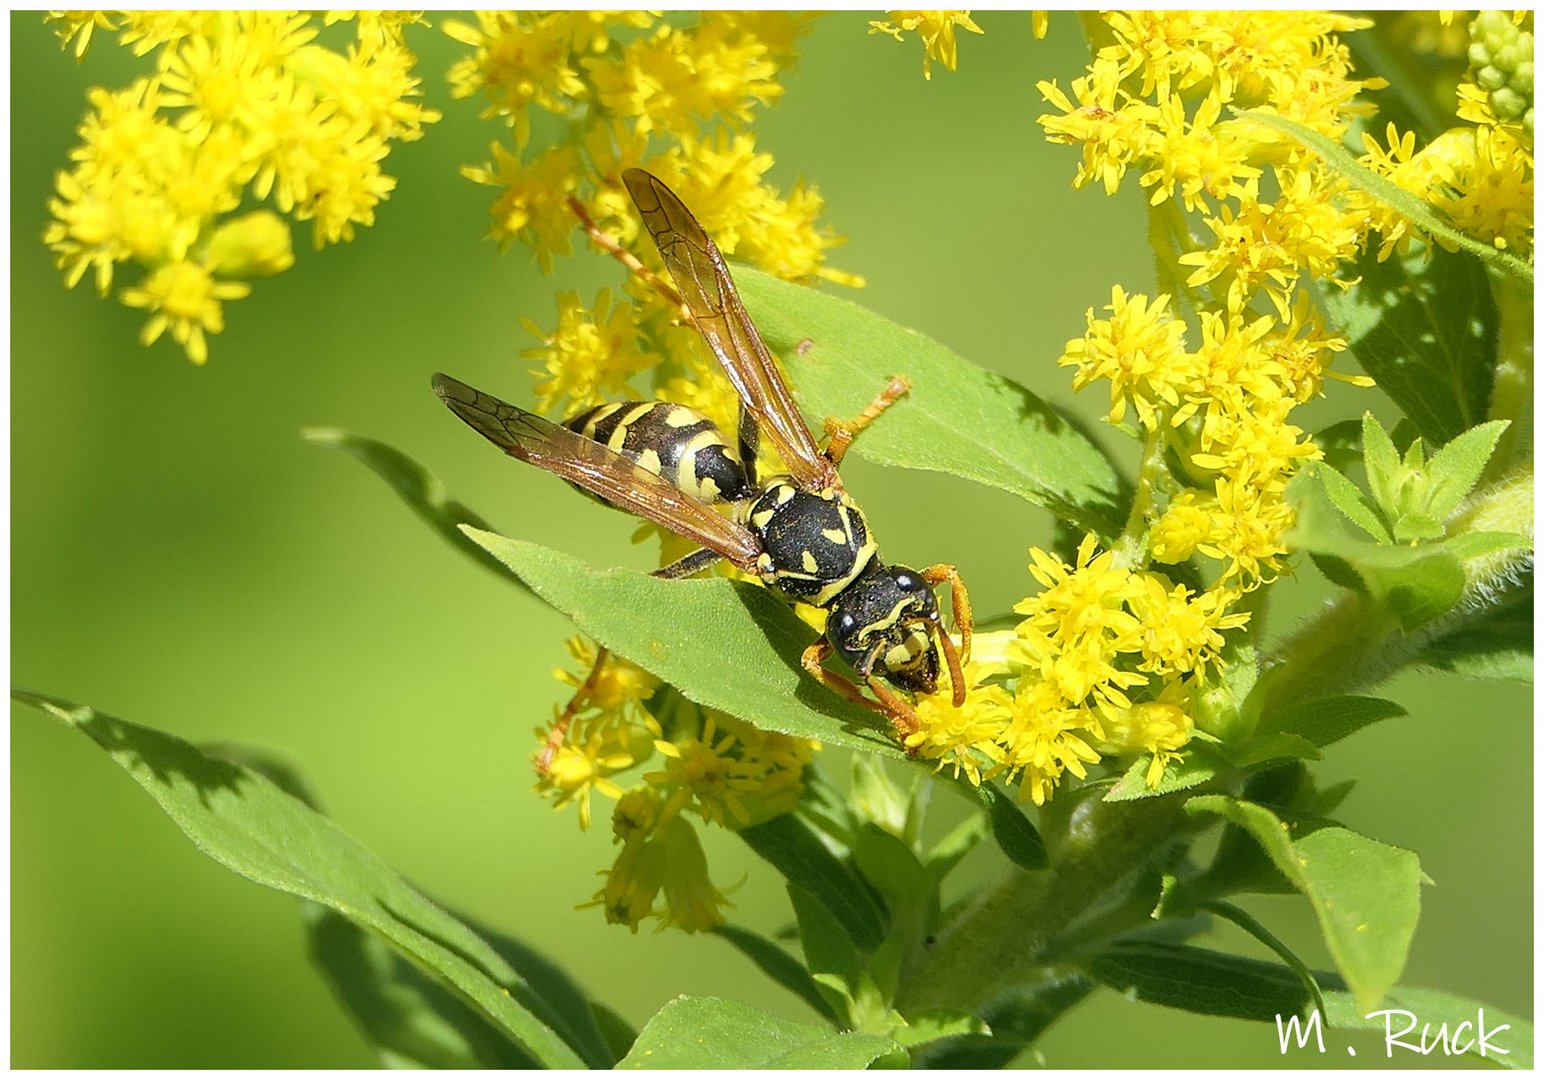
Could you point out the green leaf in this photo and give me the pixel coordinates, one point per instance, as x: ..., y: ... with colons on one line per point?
x: 725, y: 644
x: 1328, y: 720
x: 1012, y: 831
x: 1423, y: 326
x: 1200, y: 980
x: 1383, y: 464
x: 1456, y: 468
x: 711, y: 1033
x: 1366, y: 895
x: 1434, y: 1009
x: 1272, y: 746
x: 956, y: 844
x: 1200, y: 764
x: 1415, y: 584
x: 789, y: 845
x: 249, y: 825
x: 833, y: 961
x: 1350, y: 501
x: 958, y: 418
x: 410, y: 1020
x: 1339, y: 159
x: 419, y: 488
x: 930, y: 1027
x: 777, y: 964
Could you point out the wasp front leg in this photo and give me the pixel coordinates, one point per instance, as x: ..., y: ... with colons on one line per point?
x: 841, y: 433
x: 939, y: 573
x: 903, y: 719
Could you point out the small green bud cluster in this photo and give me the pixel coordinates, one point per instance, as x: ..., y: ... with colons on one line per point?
x: 1501, y: 56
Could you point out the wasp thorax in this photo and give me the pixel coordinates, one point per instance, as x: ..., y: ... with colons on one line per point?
x: 884, y: 623
x: 813, y: 544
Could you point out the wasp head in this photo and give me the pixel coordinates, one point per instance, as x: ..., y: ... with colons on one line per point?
x: 883, y: 623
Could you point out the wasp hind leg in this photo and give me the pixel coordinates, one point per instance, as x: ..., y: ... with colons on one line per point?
x: 903, y: 719
x: 841, y: 433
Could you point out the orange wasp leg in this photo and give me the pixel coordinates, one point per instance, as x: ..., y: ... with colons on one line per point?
x: 903, y: 720
x: 841, y: 433
x: 939, y: 573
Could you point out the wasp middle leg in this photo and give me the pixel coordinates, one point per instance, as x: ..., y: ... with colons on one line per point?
x: 841, y: 433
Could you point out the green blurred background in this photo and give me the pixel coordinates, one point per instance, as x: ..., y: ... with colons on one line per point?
x: 182, y: 559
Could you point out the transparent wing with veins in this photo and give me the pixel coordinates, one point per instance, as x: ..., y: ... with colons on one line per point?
x: 708, y: 291
x: 599, y: 470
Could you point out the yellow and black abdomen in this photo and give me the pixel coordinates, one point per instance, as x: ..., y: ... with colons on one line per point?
x: 672, y: 441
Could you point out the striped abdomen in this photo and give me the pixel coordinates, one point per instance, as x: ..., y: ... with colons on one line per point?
x: 673, y: 441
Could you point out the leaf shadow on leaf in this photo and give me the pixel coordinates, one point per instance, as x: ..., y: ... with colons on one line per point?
x: 206, y: 775
x: 788, y: 636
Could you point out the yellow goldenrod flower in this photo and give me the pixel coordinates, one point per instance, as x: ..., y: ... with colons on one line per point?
x: 935, y: 28
x: 963, y: 738
x: 182, y: 297
x: 692, y: 902
x: 1140, y: 350
x: 591, y: 354
x: 1161, y: 727
x: 77, y: 27
x: 633, y: 883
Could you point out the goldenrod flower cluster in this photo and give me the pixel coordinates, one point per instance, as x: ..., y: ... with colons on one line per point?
x: 1113, y: 652
x: 244, y: 108
x: 708, y: 765
x: 586, y: 95
x: 1479, y: 175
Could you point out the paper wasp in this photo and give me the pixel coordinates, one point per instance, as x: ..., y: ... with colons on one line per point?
x: 800, y: 533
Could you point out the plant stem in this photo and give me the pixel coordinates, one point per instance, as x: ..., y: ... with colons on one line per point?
x: 1007, y: 932
x: 1511, y: 396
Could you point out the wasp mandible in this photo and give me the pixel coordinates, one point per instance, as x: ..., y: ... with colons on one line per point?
x: 801, y: 533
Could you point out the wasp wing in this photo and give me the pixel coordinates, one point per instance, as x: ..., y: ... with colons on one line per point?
x: 599, y: 470
x: 700, y: 274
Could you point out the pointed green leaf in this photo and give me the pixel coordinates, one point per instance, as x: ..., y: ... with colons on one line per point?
x: 423, y: 492
x: 711, y: 1033
x: 1423, y: 326
x: 1200, y: 980
x: 409, y: 1019
x: 1366, y: 895
x: 1456, y: 468
x: 958, y: 418
x: 789, y: 845
x: 1328, y: 720
x: 1015, y: 836
x: 1199, y: 764
x: 243, y: 821
x: 728, y: 645
x: 956, y: 844
x: 1383, y: 464
x: 1273, y: 746
x: 1350, y: 501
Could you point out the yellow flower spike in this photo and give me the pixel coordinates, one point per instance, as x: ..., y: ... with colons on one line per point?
x: 935, y: 28
x: 1162, y: 728
x: 1180, y: 631
x: 1044, y: 740
x: 78, y: 27
x: 962, y: 738
x: 1183, y: 526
